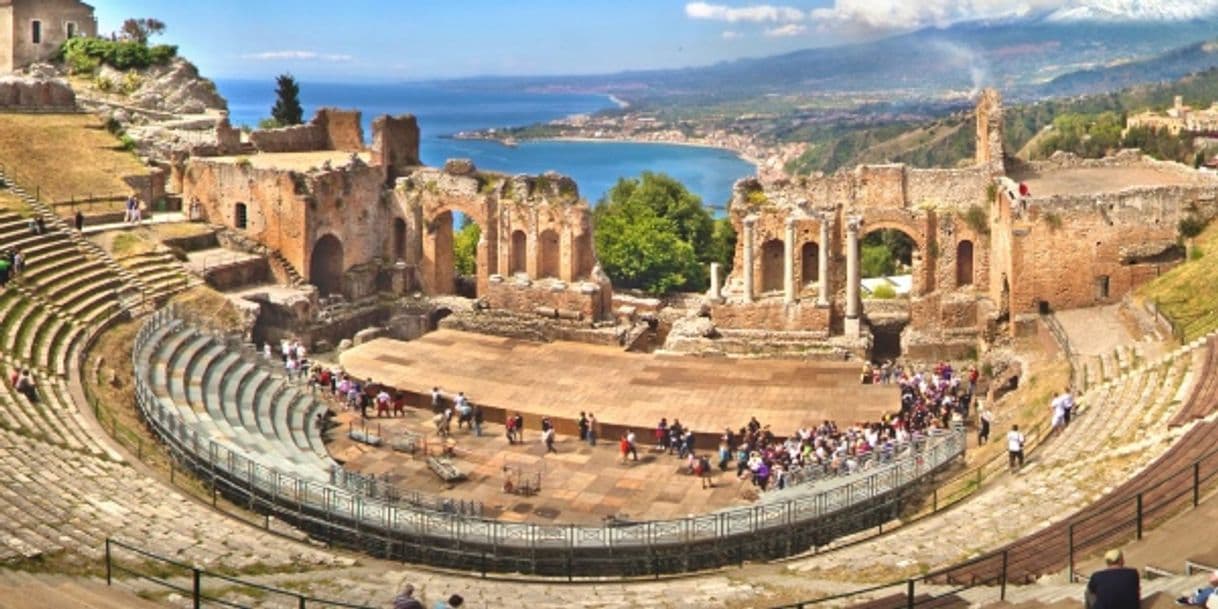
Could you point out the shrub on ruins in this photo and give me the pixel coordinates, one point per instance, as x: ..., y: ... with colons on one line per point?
x: 140, y: 30
x: 676, y: 216
x: 84, y: 55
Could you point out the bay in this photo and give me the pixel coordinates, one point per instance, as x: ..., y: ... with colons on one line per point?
x: 443, y: 111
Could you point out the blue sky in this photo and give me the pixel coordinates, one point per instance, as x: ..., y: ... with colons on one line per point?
x: 379, y: 40
x: 422, y: 39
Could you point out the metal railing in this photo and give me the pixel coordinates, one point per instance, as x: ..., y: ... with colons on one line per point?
x: 813, y: 517
x: 1114, y: 522
x: 192, y: 582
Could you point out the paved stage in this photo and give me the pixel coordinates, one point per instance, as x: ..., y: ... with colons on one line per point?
x: 623, y: 389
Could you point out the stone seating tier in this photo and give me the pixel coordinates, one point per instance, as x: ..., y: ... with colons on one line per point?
x: 237, y: 400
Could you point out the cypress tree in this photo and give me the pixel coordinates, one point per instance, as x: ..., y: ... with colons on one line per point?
x: 287, y: 110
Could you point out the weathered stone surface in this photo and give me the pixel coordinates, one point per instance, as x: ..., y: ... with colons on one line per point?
x: 694, y: 327
x: 26, y: 93
x: 368, y: 334
x: 344, y: 344
x: 459, y: 167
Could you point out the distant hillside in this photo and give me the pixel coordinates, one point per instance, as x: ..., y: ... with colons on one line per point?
x: 1014, y: 56
x: 949, y: 141
x: 1168, y: 66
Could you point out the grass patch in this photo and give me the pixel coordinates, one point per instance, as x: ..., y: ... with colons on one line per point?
x: 1185, y: 294
x: 178, y: 230
x: 210, y: 306
x: 128, y: 244
x: 65, y: 156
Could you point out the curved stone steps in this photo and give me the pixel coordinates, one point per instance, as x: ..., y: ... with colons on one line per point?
x: 1098, y: 421
x: 34, y: 416
x: 13, y: 318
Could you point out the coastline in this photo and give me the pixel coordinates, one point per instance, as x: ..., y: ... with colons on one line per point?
x: 625, y: 140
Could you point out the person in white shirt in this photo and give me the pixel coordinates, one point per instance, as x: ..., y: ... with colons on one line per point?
x: 1058, y: 405
x: 1015, y: 442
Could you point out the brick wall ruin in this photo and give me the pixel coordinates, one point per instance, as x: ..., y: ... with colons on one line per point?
x: 330, y: 129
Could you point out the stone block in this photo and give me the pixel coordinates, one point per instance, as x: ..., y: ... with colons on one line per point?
x: 368, y: 334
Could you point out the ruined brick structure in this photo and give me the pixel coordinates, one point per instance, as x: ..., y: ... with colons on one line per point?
x: 983, y: 254
x: 357, y: 221
x: 33, y: 30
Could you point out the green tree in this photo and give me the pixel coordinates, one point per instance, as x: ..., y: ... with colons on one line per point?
x: 655, y: 235
x: 140, y: 30
x: 287, y: 110
x: 465, y: 249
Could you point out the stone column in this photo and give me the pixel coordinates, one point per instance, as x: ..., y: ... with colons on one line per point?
x: 852, y: 268
x: 822, y: 263
x: 788, y: 263
x: 716, y: 290
x: 748, y: 258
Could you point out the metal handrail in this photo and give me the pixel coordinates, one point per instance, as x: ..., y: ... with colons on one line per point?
x: 359, y: 519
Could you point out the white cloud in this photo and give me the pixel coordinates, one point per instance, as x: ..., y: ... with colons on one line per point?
x: 785, y: 31
x: 299, y: 56
x: 904, y: 14
x: 757, y: 13
x: 730, y: 35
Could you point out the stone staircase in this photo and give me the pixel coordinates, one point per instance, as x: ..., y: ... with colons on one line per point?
x: 19, y: 590
x: 1093, y: 370
x: 282, y: 268
x: 162, y: 274
x: 235, y: 397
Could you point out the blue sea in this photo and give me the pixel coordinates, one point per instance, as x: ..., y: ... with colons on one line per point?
x: 443, y: 111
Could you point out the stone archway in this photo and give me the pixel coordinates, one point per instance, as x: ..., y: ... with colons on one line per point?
x: 548, y: 254
x: 809, y: 267
x: 518, y: 253
x: 326, y: 265
x: 399, y: 239
x: 772, y: 265
x: 964, y: 263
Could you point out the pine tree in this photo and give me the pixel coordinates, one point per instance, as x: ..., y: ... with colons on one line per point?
x: 287, y: 110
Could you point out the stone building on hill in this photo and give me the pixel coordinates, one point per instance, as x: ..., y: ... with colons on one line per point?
x: 33, y: 30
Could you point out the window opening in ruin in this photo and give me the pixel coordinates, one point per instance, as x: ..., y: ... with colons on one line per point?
x: 518, y: 254
x: 241, y: 216
x: 465, y: 240
x: 1043, y: 307
x: 964, y: 263
x: 810, y: 263
x: 886, y: 342
x: 326, y: 265
x: 399, y: 239
x: 70, y: 29
x: 36, y: 31
x: 1101, y: 287
x: 886, y: 258
x: 548, y: 253
x: 772, y: 266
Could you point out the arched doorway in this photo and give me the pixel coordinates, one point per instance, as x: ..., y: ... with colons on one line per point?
x: 466, y: 240
x: 399, y: 239
x: 326, y: 265
x: 809, y: 267
x: 518, y: 254
x: 964, y: 264
x: 772, y: 265
x: 887, y: 261
x: 548, y: 252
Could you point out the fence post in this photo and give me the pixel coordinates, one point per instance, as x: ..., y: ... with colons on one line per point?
x: 909, y: 594
x: 301, y: 604
x: 1070, y: 564
x: 1139, y: 504
x: 197, y: 600
x: 107, y: 561
x: 1196, y: 483
x: 1002, y: 590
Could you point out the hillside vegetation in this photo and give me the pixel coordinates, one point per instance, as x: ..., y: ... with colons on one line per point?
x: 1186, y: 294
x: 949, y: 141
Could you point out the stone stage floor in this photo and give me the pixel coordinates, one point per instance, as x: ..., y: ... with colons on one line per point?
x: 624, y: 390
x: 579, y: 484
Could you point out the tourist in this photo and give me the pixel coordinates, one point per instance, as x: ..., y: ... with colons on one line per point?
x: 32, y: 225
x: 406, y: 599
x: 583, y: 426
x: 479, y: 418
x: 1058, y: 407
x: 1114, y: 587
x: 509, y: 429
x: 4, y: 271
x: 592, y: 430
x: 437, y: 400
x: 453, y: 602
x: 465, y: 413
x: 1068, y: 403
x: 41, y: 224
x: 1202, y: 595
x: 725, y: 454
x: 382, y: 403
x: 129, y: 216
x: 443, y: 422
x: 18, y: 263
x: 634, y: 451
x: 519, y: 427
x: 675, y: 434
x: 291, y: 367
x: 80, y: 220
x: 742, y: 460
x: 662, y: 435
x: 986, y: 419
x: 623, y: 447
x: 687, y: 444
x: 1015, y: 442
x: 399, y: 404
x: 547, y: 437
x: 702, y: 470
x: 139, y: 211
x: 266, y: 350
x: 25, y: 386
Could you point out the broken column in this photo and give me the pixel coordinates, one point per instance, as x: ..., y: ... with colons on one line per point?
x: 822, y: 264
x: 748, y: 258
x: 852, y: 267
x: 716, y: 290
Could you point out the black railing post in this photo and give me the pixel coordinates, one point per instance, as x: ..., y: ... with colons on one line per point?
x: 1196, y: 483
x: 1070, y: 558
x: 1139, y: 504
x: 301, y: 602
x: 909, y: 594
x: 1002, y: 590
x: 107, y: 561
x: 197, y: 595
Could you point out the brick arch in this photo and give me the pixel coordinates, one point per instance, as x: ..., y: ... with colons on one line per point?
x: 326, y: 266
x: 922, y: 262
x: 437, y: 236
